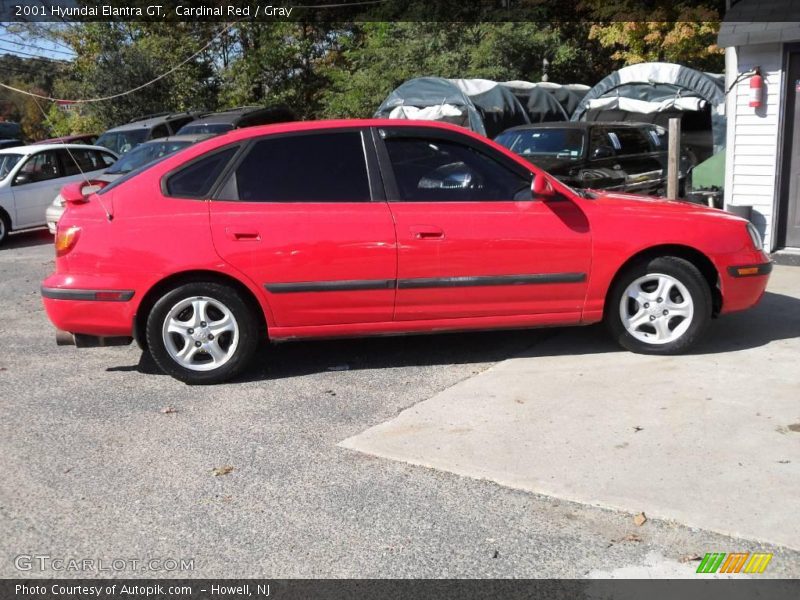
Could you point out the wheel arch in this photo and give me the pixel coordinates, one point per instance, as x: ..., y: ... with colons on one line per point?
x: 174, y: 280
x: 688, y: 253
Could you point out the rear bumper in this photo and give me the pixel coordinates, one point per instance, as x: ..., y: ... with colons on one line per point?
x: 89, y: 306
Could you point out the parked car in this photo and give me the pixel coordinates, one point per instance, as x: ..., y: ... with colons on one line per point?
x: 626, y: 157
x: 137, y: 158
x: 126, y: 137
x: 234, y: 118
x: 352, y: 228
x: 81, y: 138
x: 31, y: 175
x: 10, y: 144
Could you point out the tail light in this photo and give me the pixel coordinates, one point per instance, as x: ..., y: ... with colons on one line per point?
x: 66, y: 239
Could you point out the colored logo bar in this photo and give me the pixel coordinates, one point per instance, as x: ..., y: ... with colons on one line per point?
x: 735, y: 562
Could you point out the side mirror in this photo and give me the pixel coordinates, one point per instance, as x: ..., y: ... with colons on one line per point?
x: 22, y: 179
x: 602, y: 152
x: 541, y: 187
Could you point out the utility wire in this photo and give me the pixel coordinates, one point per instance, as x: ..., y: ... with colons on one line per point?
x: 136, y: 89
x: 53, y: 50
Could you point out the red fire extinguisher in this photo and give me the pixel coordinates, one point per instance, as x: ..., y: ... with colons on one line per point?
x: 756, y: 89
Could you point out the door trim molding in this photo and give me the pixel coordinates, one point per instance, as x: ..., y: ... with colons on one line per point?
x: 423, y: 282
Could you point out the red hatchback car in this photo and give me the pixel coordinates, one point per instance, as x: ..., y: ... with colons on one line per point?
x: 352, y: 228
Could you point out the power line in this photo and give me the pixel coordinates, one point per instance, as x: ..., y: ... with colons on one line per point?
x: 136, y: 89
x: 29, y: 56
x: 54, y: 50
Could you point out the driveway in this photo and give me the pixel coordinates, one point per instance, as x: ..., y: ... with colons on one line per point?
x: 102, y: 458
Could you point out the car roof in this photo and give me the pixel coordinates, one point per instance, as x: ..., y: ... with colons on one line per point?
x: 66, y: 138
x: 33, y: 148
x: 149, y: 121
x: 228, y: 116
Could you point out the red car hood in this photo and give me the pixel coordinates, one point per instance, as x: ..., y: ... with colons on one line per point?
x: 655, y: 204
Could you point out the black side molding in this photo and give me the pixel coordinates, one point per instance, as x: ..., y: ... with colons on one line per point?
x: 90, y: 295
x: 330, y: 286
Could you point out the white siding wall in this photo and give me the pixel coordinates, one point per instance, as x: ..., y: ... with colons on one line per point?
x: 753, y: 137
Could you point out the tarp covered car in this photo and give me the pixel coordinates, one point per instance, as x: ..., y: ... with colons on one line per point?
x: 483, y: 106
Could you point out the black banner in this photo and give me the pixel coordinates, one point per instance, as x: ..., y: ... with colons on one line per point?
x: 291, y: 589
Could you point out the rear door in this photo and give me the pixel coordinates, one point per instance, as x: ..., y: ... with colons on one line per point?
x: 43, y: 178
x: 603, y: 169
x: 303, y: 216
x: 471, y: 240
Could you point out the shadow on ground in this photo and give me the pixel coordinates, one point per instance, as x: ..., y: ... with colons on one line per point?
x: 777, y: 317
x: 25, y: 239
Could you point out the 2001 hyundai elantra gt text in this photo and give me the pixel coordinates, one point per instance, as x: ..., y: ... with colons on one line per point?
x: 351, y: 228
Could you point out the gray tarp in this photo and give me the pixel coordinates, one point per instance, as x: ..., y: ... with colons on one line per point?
x: 483, y: 106
x: 649, y: 89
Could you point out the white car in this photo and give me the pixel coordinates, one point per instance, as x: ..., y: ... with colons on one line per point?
x: 30, y: 176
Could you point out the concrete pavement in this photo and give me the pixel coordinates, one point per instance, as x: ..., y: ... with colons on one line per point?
x: 710, y: 440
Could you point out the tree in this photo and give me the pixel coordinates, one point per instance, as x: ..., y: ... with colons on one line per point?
x: 676, y: 32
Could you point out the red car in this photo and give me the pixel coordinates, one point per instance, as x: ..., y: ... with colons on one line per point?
x: 352, y: 228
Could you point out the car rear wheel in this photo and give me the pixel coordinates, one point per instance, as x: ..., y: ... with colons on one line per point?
x: 659, y: 306
x: 202, y: 333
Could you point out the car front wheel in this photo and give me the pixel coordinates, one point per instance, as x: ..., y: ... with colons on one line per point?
x: 660, y: 306
x: 202, y: 333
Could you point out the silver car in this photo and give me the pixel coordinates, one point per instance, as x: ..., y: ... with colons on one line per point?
x: 31, y: 175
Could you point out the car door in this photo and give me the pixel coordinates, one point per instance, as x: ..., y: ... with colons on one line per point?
x: 34, y: 186
x: 303, y: 216
x: 603, y: 169
x: 643, y: 170
x: 471, y: 240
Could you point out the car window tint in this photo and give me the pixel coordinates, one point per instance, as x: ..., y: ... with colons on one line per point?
x: 319, y: 167
x: 105, y: 158
x: 75, y: 161
x: 41, y: 167
x: 631, y: 140
x: 159, y: 131
x: 442, y: 171
x: 600, y: 138
x: 195, y: 179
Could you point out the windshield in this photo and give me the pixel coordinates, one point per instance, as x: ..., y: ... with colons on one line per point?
x: 145, y: 154
x: 7, y: 162
x: 205, y: 128
x: 122, y: 141
x: 558, y: 143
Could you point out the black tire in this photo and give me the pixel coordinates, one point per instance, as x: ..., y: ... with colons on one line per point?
x: 686, y: 274
x: 249, y: 332
x: 5, y: 226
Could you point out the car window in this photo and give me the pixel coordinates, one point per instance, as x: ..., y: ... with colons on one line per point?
x: 631, y: 140
x: 559, y: 143
x: 122, y: 141
x: 41, y: 167
x: 212, y: 128
x: 195, y: 179
x: 159, y: 131
x: 318, y: 167
x: 438, y: 170
x: 178, y: 123
x: 105, y: 158
x: 74, y: 161
x: 7, y: 162
x: 144, y: 154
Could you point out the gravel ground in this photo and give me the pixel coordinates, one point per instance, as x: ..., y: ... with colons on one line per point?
x: 94, y: 468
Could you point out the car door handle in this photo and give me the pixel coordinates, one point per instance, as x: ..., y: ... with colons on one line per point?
x: 242, y: 235
x: 427, y: 232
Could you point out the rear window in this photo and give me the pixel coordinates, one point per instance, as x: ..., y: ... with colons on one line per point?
x: 196, y: 179
x: 212, y: 128
x: 318, y: 167
x: 122, y: 141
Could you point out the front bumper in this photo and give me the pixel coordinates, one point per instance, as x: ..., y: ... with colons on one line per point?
x: 744, y: 283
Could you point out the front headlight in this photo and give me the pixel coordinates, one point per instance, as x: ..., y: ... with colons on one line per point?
x: 755, y: 237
